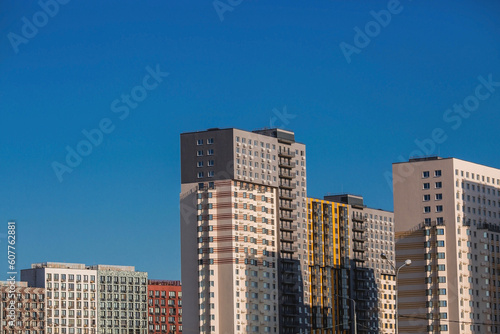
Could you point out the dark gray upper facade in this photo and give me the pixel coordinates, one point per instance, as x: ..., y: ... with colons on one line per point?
x: 192, y: 143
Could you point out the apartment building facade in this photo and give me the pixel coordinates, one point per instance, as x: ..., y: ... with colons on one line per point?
x: 369, y: 233
x: 165, y: 307
x: 122, y: 307
x: 243, y: 232
x: 329, y: 263
x: 448, y: 223
x: 82, y: 299
x: 28, y: 313
x: 70, y: 296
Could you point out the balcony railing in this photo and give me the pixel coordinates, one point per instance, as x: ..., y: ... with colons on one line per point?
x: 286, y: 164
x: 288, y: 185
x: 289, y: 238
x: 287, y: 196
x: 286, y: 153
x: 288, y: 248
x: 288, y: 206
x: 288, y: 227
x: 288, y: 217
x: 287, y: 174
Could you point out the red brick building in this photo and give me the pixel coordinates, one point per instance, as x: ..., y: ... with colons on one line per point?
x: 164, y: 307
x: 27, y: 315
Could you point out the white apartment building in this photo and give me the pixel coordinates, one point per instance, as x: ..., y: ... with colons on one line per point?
x: 70, y: 296
x: 447, y: 214
x: 380, y: 240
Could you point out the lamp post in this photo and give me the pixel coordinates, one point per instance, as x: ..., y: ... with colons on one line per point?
x: 407, y: 263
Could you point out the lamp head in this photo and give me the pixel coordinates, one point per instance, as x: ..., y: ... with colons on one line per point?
x: 384, y: 256
x: 408, y: 262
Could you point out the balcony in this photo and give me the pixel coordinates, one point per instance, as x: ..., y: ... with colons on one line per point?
x: 288, y: 196
x: 288, y: 227
x: 360, y: 259
x: 288, y: 217
x: 286, y: 174
x: 287, y: 206
x: 359, y: 248
x: 286, y: 153
x: 290, y: 186
x: 288, y: 248
x: 289, y: 279
x: 359, y: 237
x: 286, y: 164
x: 358, y: 228
x: 289, y: 238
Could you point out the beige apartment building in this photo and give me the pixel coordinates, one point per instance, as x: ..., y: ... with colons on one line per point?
x: 243, y: 232
x: 100, y: 299
x: 448, y: 213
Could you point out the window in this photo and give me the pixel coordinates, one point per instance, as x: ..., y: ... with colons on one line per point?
x: 199, y: 164
x: 211, y: 163
x: 425, y: 174
x: 439, y: 185
x: 427, y: 209
x: 210, y: 173
x: 210, y: 151
x: 440, y: 243
x: 199, y: 153
x: 439, y: 208
x: 439, y: 197
x: 437, y: 173
x: 210, y: 141
x: 427, y: 198
x: 426, y: 185
x: 200, y: 175
x: 199, y: 142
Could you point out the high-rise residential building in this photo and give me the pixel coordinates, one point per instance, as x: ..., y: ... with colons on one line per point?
x: 243, y: 232
x: 122, y: 300
x: 165, y: 307
x: 27, y: 314
x: 70, y: 296
x: 364, y: 234
x: 447, y: 214
x: 329, y: 263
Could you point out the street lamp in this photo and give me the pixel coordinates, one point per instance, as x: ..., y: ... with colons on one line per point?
x: 407, y: 263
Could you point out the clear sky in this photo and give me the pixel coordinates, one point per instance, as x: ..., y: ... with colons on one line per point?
x: 357, y: 92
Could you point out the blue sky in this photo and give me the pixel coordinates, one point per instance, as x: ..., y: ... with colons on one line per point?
x: 119, y: 205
